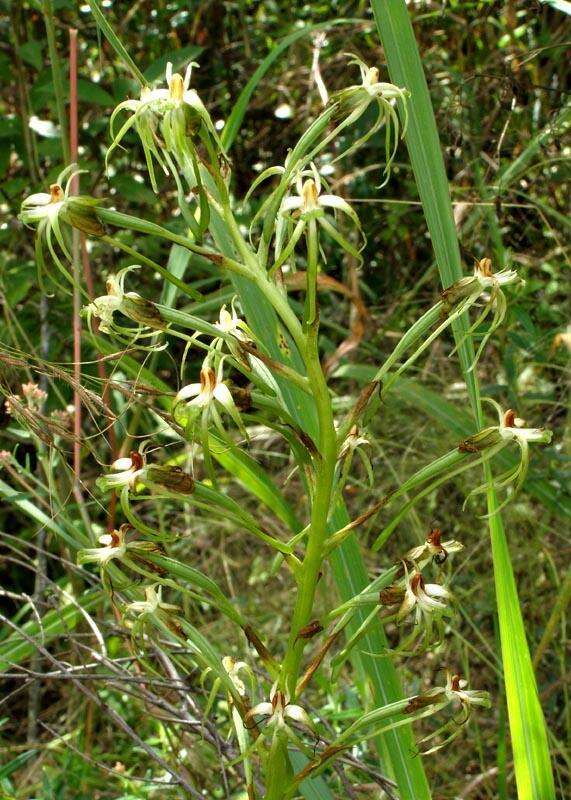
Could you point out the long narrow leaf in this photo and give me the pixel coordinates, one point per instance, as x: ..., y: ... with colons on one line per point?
x: 528, y: 733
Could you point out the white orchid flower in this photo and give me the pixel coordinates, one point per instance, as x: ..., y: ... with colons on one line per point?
x: 167, y: 107
x: 152, y: 602
x: 125, y: 472
x: 454, y: 694
x: 278, y: 710
x: 427, y: 602
x: 424, y: 599
x: 210, y: 392
x: 513, y: 427
x: 130, y: 304
x: 113, y: 545
x: 310, y: 202
x: 456, y: 691
x: 510, y: 428
x: 230, y: 323
x: 47, y: 210
x: 354, y: 100
x: 434, y: 548
x: 42, y: 205
x: 490, y: 280
x: 234, y: 668
x: 310, y: 205
x: 104, y: 307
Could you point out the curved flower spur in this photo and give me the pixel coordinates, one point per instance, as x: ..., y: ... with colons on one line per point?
x: 46, y: 210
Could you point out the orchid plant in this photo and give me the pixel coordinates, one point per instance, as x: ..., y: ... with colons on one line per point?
x: 271, y: 345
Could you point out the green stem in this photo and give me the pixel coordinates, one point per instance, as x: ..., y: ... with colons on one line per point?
x: 324, y: 480
x: 144, y: 226
x: 148, y: 262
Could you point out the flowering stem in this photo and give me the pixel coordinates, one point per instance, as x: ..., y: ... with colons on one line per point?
x: 144, y: 226
x: 324, y: 478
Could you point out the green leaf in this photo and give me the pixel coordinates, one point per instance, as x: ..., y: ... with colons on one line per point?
x: 249, y: 473
x: 15, y: 763
x: 31, y: 53
x: 114, y: 41
x: 179, y: 258
x: 91, y: 92
x: 133, y: 191
x: 311, y: 789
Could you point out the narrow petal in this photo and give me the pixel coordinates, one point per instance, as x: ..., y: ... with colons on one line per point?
x: 436, y: 590
x: 291, y: 204
x: 188, y: 391
x: 297, y: 714
x: 39, y: 199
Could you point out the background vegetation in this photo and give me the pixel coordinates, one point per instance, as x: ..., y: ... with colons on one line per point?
x: 496, y: 74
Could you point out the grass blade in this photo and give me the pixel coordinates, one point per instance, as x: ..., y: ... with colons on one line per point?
x: 115, y: 42
x: 528, y: 732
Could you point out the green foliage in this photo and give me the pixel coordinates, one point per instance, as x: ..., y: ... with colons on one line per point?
x: 267, y: 586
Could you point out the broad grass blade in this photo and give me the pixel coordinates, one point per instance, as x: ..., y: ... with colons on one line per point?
x: 527, y: 726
